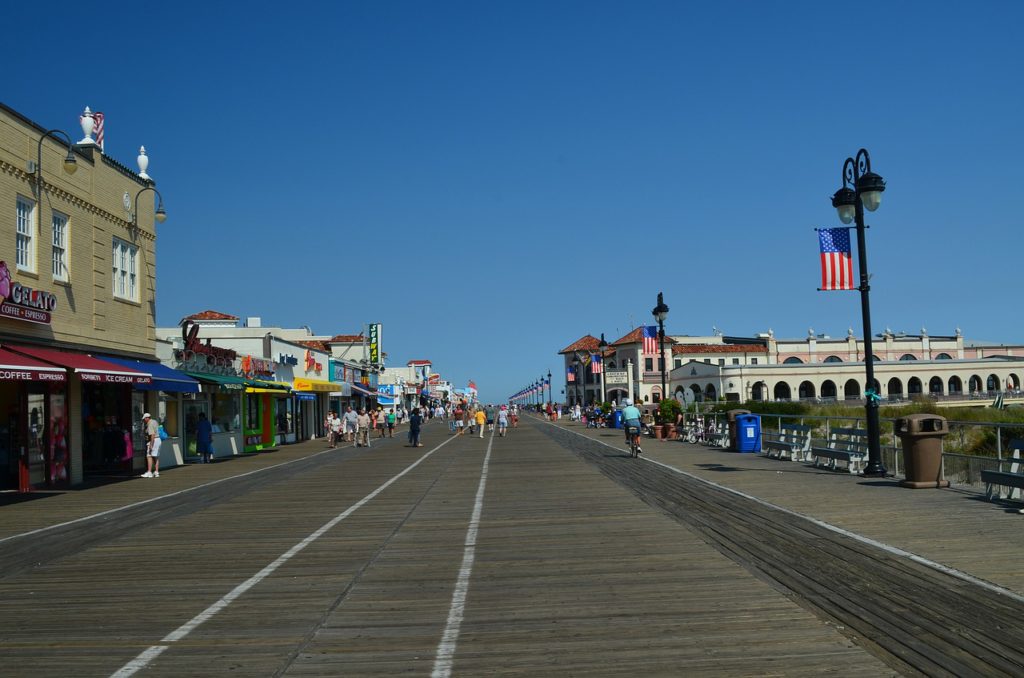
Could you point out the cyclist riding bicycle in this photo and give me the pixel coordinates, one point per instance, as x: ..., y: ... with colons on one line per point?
x: 631, y: 418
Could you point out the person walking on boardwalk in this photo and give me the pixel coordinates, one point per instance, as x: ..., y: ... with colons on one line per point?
x: 391, y: 423
x: 363, y: 429
x: 337, y: 429
x: 351, y: 424
x: 414, y: 428
x: 152, y: 431
x: 204, y: 439
x: 502, y: 421
x: 380, y: 422
x: 481, y: 418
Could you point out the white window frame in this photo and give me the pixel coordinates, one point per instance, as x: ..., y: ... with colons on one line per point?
x: 59, y: 259
x: 124, y: 282
x: 25, y: 229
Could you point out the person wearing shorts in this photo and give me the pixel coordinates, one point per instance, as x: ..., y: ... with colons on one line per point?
x: 153, y: 441
x: 351, y: 424
x: 380, y: 423
x: 391, y: 423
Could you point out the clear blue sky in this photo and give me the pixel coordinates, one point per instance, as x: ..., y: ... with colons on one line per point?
x: 493, y: 180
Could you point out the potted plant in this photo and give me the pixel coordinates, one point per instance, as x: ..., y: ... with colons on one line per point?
x: 668, y: 411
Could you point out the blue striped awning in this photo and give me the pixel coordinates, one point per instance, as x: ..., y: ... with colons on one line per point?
x: 164, y: 378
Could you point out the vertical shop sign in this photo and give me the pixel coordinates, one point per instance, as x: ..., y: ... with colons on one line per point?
x: 375, y: 332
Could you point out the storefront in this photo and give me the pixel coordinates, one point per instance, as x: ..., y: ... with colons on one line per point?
x: 108, y: 411
x: 175, y: 390
x: 311, y: 401
x: 33, y: 427
x: 265, y: 412
x: 220, y: 399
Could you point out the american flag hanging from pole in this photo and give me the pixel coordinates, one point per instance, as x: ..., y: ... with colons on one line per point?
x: 98, y: 129
x: 596, y: 364
x: 836, y: 260
x: 570, y: 375
x: 650, y: 339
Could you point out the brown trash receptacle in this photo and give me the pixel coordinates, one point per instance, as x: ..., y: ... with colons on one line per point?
x: 734, y: 438
x: 922, y: 436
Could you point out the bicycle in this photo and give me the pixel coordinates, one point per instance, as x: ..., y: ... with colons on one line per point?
x: 633, y: 434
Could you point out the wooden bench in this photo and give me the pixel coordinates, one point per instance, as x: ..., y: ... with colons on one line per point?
x: 847, y: 445
x: 1012, y: 479
x: 792, y: 441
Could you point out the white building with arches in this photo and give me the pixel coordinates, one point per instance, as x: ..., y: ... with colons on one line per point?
x: 820, y: 368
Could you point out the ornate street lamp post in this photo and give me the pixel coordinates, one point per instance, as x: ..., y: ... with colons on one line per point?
x: 660, y: 312
x: 850, y: 204
x: 549, y: 387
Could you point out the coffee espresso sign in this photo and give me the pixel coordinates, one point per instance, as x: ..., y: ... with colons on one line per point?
x: 24, y: 303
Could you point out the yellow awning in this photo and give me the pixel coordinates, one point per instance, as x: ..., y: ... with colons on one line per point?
x: 318, y: 385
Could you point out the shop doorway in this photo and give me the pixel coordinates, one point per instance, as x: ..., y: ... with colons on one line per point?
x: 108, y: 429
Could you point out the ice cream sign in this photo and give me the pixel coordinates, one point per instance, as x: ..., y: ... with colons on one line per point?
x: 22, y: 302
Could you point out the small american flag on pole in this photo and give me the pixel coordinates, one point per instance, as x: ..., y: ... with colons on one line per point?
x: 836, y: 260
x: 98, y: 129
x: 570, y: 375
x: 596, y: 366
x: 650, y: 339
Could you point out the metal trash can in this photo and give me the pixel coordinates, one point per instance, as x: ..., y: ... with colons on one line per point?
x: 732, y: 414
x: 921, y: 435
x: 617, y: 419
x: 748, y: 433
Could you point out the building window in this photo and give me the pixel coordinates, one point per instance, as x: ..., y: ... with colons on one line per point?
x: 60, y: 246
x: 648, y: 364
x: 661, y: 364
x: 792, y: 360
x: 943, y: 356
x: 25, y: 243
x: 125, y: 278
x: 753, y: 361
x: 721, y: 361
x: 833, y: 359
x: 679, y: 363
x: 735, y: 361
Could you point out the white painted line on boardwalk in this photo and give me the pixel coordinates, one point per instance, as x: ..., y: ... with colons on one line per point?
x: 894, y: 550
x: 144, y: 658
x: 446, y: 648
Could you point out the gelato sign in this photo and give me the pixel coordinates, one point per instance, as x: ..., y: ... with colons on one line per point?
x: 24, y: 303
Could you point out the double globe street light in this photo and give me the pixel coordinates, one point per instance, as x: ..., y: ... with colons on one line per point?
x: 660, y: 312
x: 850, y: 203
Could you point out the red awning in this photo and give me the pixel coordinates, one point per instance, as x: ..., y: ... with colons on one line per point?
x: 14, y: 367
x: 90, y: 369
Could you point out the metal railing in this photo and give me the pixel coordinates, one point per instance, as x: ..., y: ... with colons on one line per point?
x: 967, y: 449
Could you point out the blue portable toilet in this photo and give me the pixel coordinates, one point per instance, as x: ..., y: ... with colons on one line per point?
x: 617, y: 419
x: 748, y: 433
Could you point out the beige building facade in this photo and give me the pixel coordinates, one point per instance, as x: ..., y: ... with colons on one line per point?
x: 77, y: 282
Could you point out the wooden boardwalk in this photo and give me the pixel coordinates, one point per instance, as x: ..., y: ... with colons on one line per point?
x: 580, y: 566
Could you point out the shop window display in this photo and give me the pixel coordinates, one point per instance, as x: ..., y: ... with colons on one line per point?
x: 225, y: 413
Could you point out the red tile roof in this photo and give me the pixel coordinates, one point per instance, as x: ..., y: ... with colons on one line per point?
x: 210, y: 315
x: 346, y: 339
x: 315, y: 344
x: 718, y: 348
x: 584, y: 343
x: 418, y: 362
x: 636, y: 336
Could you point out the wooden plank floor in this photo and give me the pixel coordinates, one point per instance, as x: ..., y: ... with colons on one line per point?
x: 574, y: 574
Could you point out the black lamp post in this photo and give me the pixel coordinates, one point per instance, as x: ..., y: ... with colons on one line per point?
x: 601, y: 346
x: 850, y: 204
x: 549, y: 387
x: 36, y: 168
x: 160, y: 215
x: 660, y: 312
x: 576, y: 379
